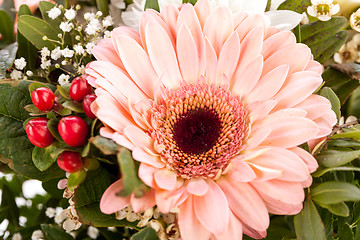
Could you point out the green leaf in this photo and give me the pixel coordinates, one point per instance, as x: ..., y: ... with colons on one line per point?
x: 87, y: 198
x: 152, y: 4
x: 334, y: 100
x: 103, y: 6
x: 35, y: 85
x: 51, y: 188
x: 147, y: 233
x: 8, y: 200
x: 34, y: 29
x: 53, y: 232
x: 15, y: 148
x: 322, y: 51
x: 63, y: 91
x: 75, y: 179
x: 308, y: 224
x: 131, y: 182
x: 339, y: 209
x: 354, y: 134
x: 336, y: 158
x: 26, y: 49
x: 105, y: 145
x: 7, y: 57
x: 44, y: 8
x: 52, y: 125
x: 334, y: 192
x: 321, y: 171
x: 6, y: 26
x: 42, y: 157
x: 190, y: 1
x: 298, y: 6
x: 343, y: 143
x: 73, y: 106
x: 353, y: 107
x: 346, y: 233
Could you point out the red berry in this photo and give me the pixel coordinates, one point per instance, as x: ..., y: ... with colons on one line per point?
x: 70, y: 161
x: 79, y: 89
x: 43, y: 98
x: 38, y: 132
x: 88, y: 99
x: 73, y: 130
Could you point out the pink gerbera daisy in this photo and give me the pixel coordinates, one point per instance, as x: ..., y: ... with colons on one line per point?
x: 214, y: 107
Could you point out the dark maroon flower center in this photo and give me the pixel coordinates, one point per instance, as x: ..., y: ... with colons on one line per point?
x: 197, y: 131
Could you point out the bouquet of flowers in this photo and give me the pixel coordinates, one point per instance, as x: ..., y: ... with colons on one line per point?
x: 180, y: 119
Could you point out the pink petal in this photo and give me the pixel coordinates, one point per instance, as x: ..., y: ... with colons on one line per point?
x: 264, y: 173
x: 162, y: 54
x: 170, y: 15
x: 276, y: 42
x: 229, y: 57
x: 218, y: 27
x: 203, y: 9
x: 248, y: 24
x: 166, y: 200
x: 251, y: 46
x: 197, y: 187
x: 211, y: 62
x: 105, y: 51
x: 245, y: 203
x: 315, y: 67
x: 165, y: 179
x: 239, y: 18
x: 252, y: 232
x: 234, y: 230
x: 189, y: 225
x: 259, y: 110
x: 216, y: 220
x: 111, y: 203
x: 142, y: 156
x: 146, y: 174
x: 241, y: 171
x: 291, y: 166
x: 269, y: 84
x: 138, y: 137
x: 122, y: 140
x: 308, y: 159
x: 143, y: 203
x: 187, y: 55
x: 256, y: 137
x: 133, y: 56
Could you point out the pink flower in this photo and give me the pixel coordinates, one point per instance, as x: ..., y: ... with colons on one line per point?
x: 214, y: 107
x: 32, y: 4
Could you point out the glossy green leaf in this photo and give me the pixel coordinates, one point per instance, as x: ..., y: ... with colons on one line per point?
x: 64, y: 91
x: 7, y: 57
x: 346, y: 233
x: 8, y: 200
x: 322, y: 51
x: 353, y: 107
x: 35, y: 85
x: 344, y: 143
x: 105, y: 145
x: 15, y: 148
x: 75, y: 179
x: 131, y: 182
x: 298, y: 6
x: 103, y: 6
x: 339, y: 209
x: 152, y: 4
x: 44, y: 8
x: 87, y: 198
x: 190, y: 1
x: 334, y: 192
x: 73, y: 106
x: 147, y: 233
x: 6, y: 26
x: 34, y: 29
x: 308, y: 224
x: 355, y: 134
x: 321, y: 171
x: 53, y: 128
x: 336, y: 158
x: 42, y: 157
x: 334, y: 100
x: 53, y: 232
x: 33, y: 110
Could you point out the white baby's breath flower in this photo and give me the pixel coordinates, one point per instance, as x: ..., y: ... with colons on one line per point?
x: 70, y: 14
x: 107, y: 34
x: 89, y: 16
x: 63, y: 79
x: 89, y: 46
x: 68, y: 53
x: 50, y: 212
x: 37, y: 235
x: 93, y: 27
x: 56, y: 53
x: 79, y: 49
x: 29, y: 73
x: 15, y: 74
x: 98, y: 14
x: 54, y: 13
x: 17, y: 236
x: 45, y: 63
x: 323, y: 9
x: 92, y: 232
x: 44, y: 52
x: 107, y: 21
x: 20, y: 63
x: 66, y: 26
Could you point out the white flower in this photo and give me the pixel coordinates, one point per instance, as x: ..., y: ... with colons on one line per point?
x: 323, y: 9
x: 98, y: 14
x: 70, y: 14
x: 79, y: 49
x: 120, y: 4
x: 89, y: 46
x: 107, y: 34
x: 63, y: 79
x: 61, y: 217
x: 107, y: 21
x: 355, y: 20
x: 283, y: 19
x: 66, y: 52
x: 37, y: 235
x: 44, y: 52
x: 54, y: 12
x: 92, y: 232
x: 20, y: 63
x: 50, y: 212
x: 93, y: 27
x: 15, y: 74
x: 56, y: 53
x: 29, y: 73
x: 45, y: 63
x: 66, y: 26
x: 89, y: 16
x: 17, y: 236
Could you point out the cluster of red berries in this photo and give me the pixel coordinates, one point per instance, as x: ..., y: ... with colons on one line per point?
x: 72, y: 129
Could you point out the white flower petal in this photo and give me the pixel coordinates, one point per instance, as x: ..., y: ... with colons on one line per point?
x: 284, y: 19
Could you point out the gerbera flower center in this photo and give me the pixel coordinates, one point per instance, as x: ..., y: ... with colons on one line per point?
x: 198, y: 129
